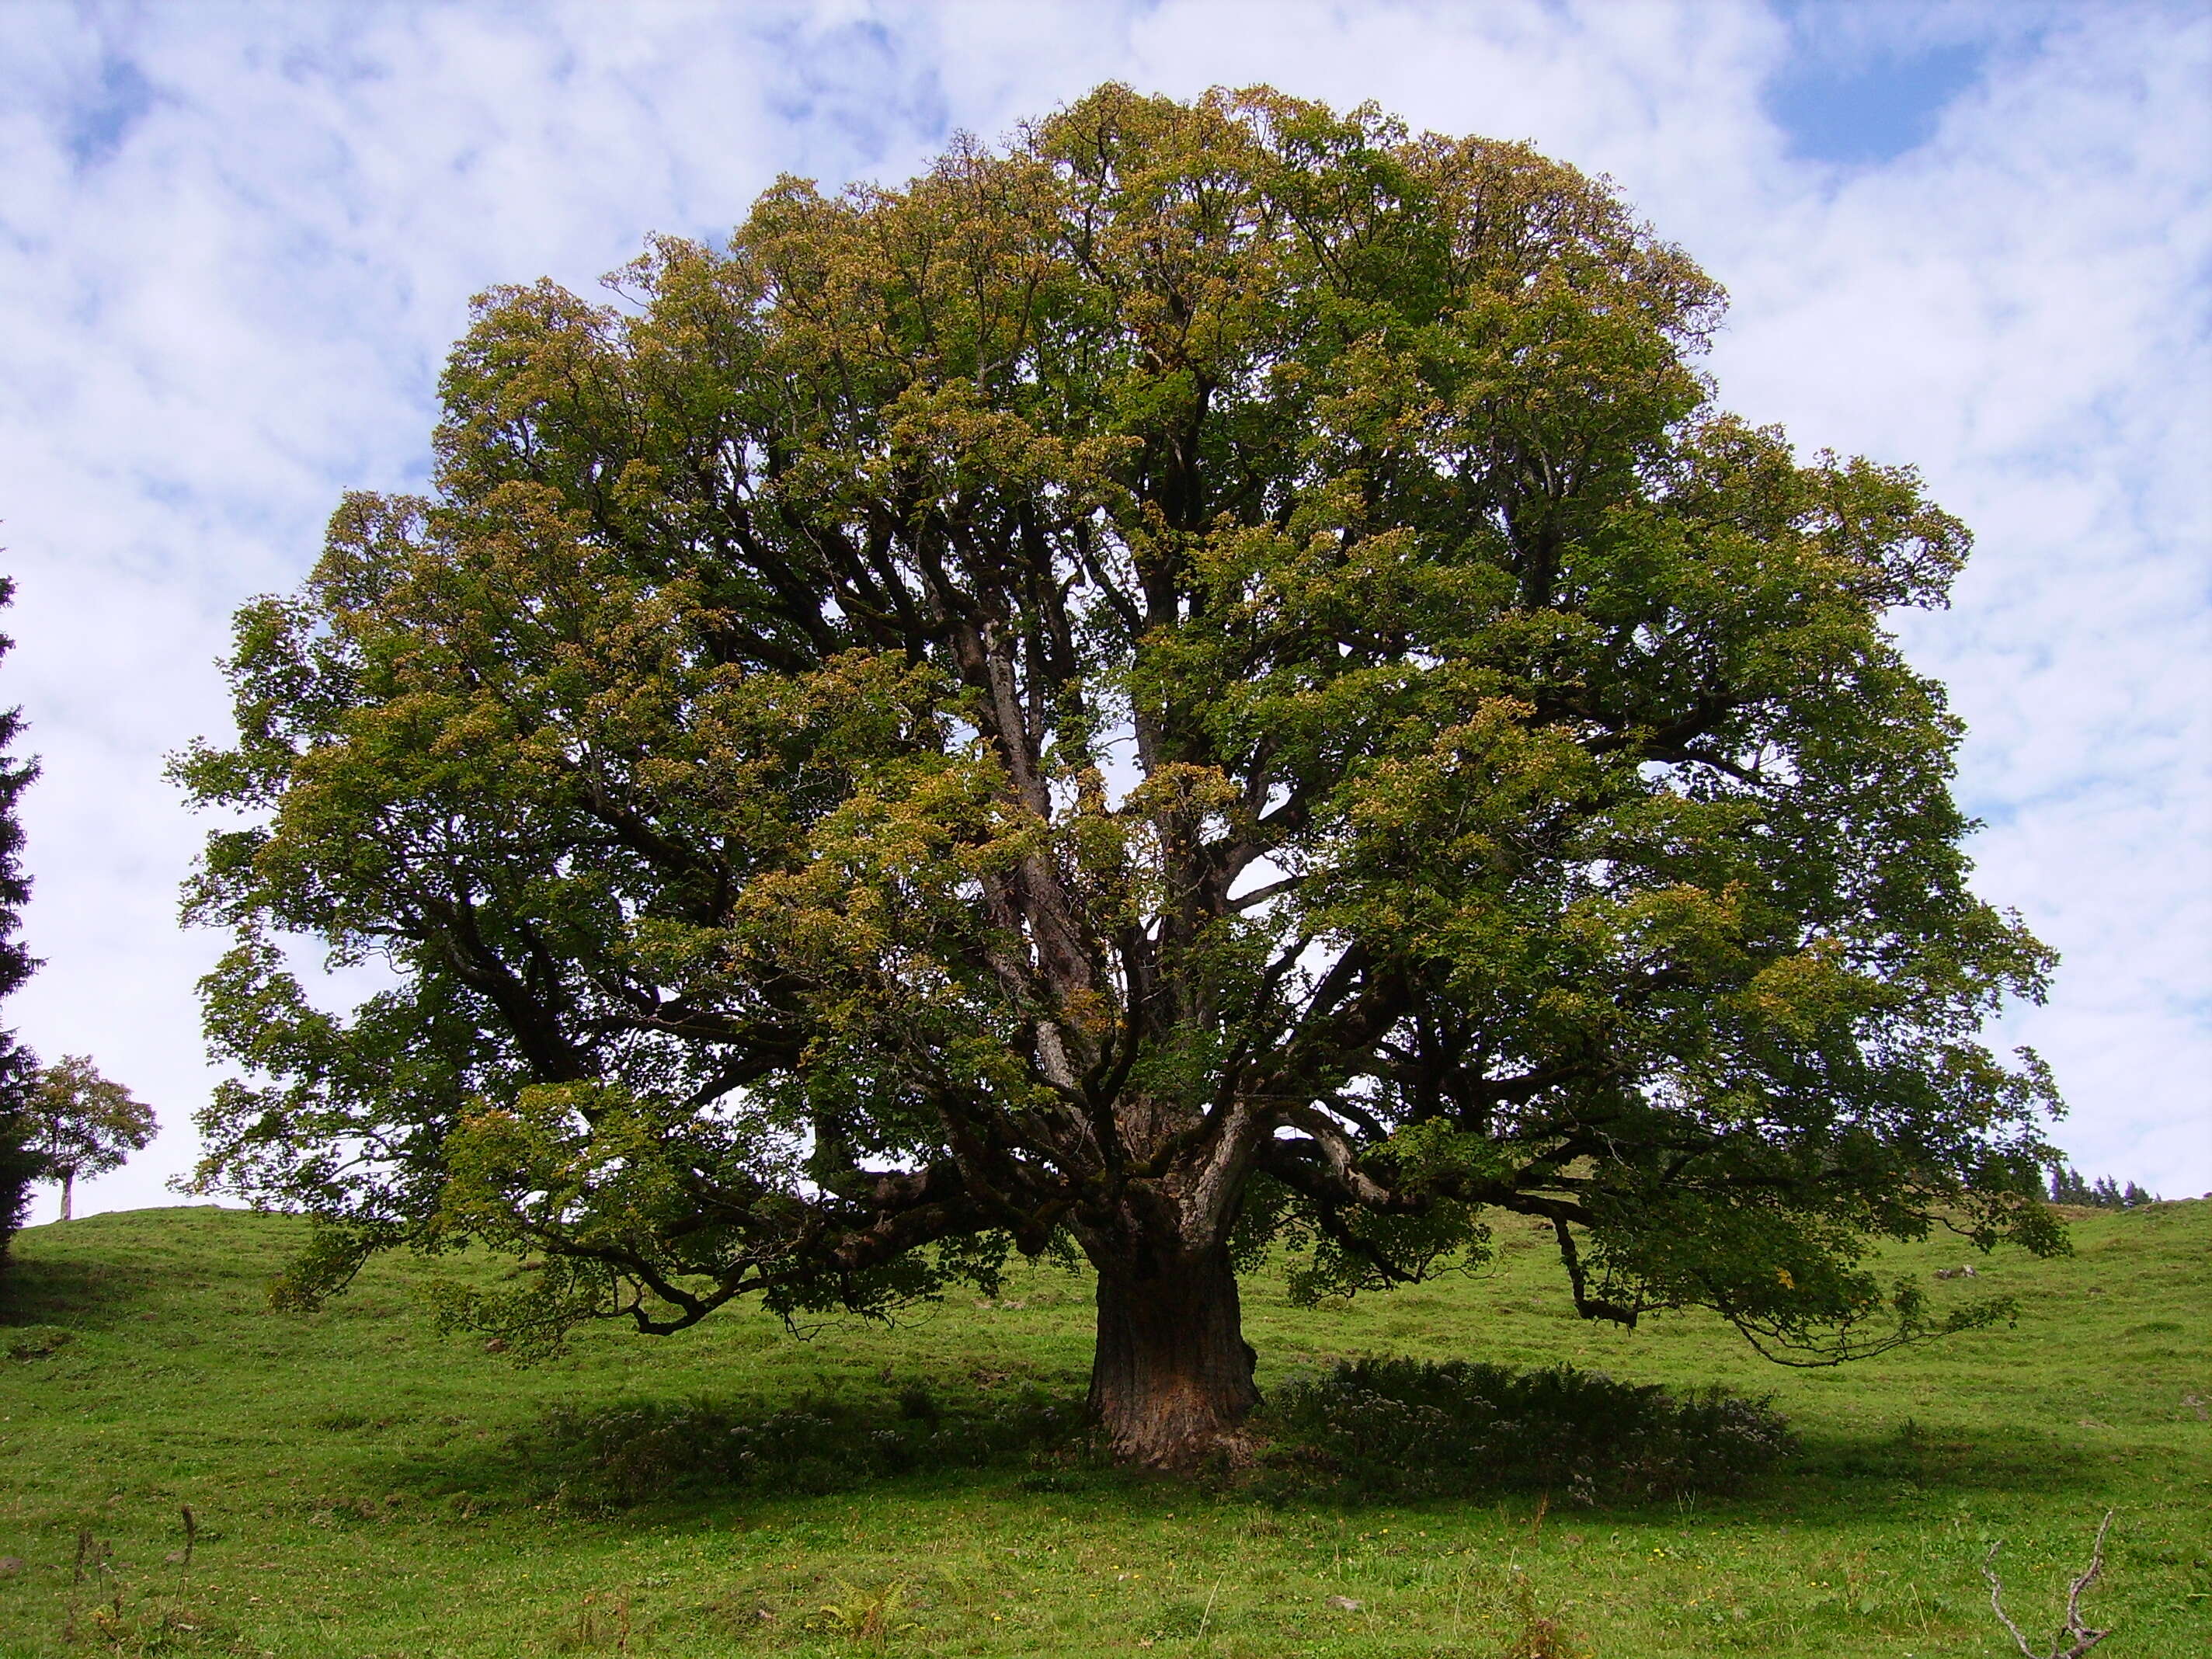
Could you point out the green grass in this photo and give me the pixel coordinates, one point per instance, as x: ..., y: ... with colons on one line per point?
x: 361, y: 1484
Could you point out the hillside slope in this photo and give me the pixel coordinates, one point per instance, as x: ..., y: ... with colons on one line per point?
x: 361, y: 1484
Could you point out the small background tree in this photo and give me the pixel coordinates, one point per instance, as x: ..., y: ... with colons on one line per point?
x: 83, y: 1124
x: 2069, y: 1186
x: 18, y: 1162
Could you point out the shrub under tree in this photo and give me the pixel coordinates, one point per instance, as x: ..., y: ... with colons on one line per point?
x: 1211, y: 677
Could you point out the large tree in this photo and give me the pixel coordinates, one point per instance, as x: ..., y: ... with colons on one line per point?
x: 1211, y: 677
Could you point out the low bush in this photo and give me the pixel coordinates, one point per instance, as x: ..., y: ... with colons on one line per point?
x: 1411, y: 1429
x: 616, y: 1457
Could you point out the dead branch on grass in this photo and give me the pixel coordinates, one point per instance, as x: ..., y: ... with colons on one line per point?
x: 2082, y: 1637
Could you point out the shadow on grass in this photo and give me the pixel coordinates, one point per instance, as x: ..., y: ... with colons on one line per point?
x: 1378, y: 1432
x: 678, y: 1461
x: 92, y: 1294
x: 1916, y: 1459
x: 604, y: 1460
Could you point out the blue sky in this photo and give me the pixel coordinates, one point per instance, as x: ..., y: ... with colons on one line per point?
x: 1860, y: 98
x: 236, y: 239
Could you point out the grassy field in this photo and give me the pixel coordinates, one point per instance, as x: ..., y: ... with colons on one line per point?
x: 362, y: 1486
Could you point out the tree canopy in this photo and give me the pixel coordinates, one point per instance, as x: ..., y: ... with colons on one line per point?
x: 1212, y: 677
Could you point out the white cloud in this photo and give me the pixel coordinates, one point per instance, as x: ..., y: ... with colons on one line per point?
x: 230, y: 299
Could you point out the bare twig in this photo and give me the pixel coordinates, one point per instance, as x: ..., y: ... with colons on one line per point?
x: 2082, y: 1637
x: 2074, y: 1627
x: 191, y: 1532
x: 1208, y: 1619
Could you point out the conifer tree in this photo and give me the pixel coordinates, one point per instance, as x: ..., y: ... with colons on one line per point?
x: 19, y: 1069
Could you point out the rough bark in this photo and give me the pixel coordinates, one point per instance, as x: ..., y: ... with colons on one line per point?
x: 1171, y: 1379
x: 69, y: 1180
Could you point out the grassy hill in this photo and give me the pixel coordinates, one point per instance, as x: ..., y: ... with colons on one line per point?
x: 362, y: 1486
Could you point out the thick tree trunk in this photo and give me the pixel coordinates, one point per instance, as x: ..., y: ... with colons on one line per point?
x: 1172, y: 1378
x: 69, y: 1180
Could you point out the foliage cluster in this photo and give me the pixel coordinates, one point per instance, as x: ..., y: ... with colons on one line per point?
x: 1459, y: 1429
